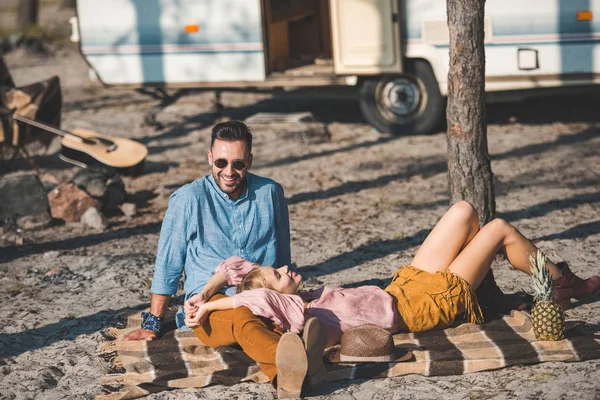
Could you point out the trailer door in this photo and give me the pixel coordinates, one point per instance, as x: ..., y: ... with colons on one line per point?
x: 172, y: 42
x: 366, y: 36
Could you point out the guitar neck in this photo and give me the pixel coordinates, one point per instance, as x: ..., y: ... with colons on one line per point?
x: 48, y: 128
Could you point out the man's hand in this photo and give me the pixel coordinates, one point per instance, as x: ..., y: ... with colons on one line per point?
x: 193, y: 303
x: 139, y: 334
x: 196, y: 318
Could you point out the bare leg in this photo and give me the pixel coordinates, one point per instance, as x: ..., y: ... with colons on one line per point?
x: 448, y: 238
x: 474, y: 261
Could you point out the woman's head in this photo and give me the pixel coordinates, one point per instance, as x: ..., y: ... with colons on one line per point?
x: 280, y: 279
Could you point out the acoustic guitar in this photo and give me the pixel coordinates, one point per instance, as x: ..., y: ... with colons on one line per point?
x: 85, y: 148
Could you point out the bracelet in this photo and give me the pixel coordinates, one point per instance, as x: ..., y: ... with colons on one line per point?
x: 151, y: 322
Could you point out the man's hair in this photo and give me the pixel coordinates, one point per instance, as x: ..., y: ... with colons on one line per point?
x: 254, y: 280
x: 232, y: 131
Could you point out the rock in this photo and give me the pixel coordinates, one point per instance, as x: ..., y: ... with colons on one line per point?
x: 13, y: 237
x: 50, y: 255
x: 129, y: 209
x: 96, y: 188
x: 48, y: 187
x: 49, y: 182
x: 49, y: 178
x: 115, y: 193
x: 30, y: 222
x: 92, y: 180
x: 94, y: 219
x: 68, y: 202
x: 22, y: 196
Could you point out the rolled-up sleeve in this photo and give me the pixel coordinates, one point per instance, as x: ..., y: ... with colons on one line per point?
x: 179, y: 224
x: 287, y: 310
x: 235, y: 268
x: 282, y: 228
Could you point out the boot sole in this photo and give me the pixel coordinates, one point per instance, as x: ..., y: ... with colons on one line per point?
x: 315, y: 339
x: 292, y: 366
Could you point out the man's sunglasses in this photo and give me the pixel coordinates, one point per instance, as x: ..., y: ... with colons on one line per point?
x: 238, y: 165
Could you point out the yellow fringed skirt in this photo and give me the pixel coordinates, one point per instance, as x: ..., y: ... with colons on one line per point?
x: 432, y: 301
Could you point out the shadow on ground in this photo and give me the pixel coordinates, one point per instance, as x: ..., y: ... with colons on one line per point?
x: 571, y: 107
x: 11, y: 253
x: 14, y: 344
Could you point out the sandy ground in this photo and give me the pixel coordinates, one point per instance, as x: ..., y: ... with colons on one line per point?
x: 360, y: 204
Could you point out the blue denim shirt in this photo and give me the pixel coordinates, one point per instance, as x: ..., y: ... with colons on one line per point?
x: 203, y: 226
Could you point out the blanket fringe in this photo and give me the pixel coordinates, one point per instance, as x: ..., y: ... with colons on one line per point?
x: 106, y: 347
x: 111, y: 333
x: 112, y: 364
x: 113, y: 379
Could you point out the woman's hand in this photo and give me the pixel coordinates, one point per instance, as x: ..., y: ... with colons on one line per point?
x: 197, y: 317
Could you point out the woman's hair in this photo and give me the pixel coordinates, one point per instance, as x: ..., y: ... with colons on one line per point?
x: 254, y: 280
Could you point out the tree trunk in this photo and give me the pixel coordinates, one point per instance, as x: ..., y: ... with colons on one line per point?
x: 28, y: 14
x: 469, y: 170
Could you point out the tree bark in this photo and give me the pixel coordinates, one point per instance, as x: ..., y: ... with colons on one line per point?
x: 469, y: 170
x: 28, y: 14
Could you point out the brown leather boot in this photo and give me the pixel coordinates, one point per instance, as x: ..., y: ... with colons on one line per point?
x: 570, y: 286
x: 315, y: 339
x: 292, y: 366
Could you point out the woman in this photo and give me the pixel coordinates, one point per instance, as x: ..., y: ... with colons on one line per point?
x: 430, y: 293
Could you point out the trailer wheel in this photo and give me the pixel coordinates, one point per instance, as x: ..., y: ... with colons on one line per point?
x: 403, y: 104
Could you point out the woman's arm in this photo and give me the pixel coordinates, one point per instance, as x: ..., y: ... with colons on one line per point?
x: 214, y: 284
x: 287, y: 310
x: 229, y: 272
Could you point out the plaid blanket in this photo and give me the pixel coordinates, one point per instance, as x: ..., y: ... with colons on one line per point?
x: 180, y: 360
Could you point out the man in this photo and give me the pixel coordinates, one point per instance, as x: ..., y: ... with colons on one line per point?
x: 228, y: 213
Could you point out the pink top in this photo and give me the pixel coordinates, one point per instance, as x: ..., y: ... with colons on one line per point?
x: 338, y: 309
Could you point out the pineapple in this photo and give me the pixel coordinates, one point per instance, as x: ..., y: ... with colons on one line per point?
x: 547, y: 316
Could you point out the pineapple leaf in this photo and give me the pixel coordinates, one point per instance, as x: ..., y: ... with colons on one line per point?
x: 541, y: 282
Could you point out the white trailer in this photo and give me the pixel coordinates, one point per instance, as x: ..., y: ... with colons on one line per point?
x: 395, y: 52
